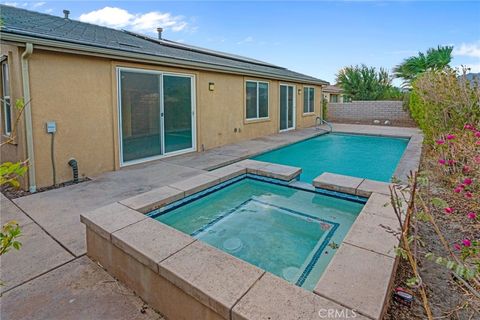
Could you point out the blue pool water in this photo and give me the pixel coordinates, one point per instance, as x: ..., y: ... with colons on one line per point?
x: 289, y: 232
x: 370, y: 157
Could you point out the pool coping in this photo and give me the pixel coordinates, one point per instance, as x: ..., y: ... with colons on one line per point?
x: 115, y: 241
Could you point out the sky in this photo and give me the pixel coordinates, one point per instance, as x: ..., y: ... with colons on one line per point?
x: 317, y: 38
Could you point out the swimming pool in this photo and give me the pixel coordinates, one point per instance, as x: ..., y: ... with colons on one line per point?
x: 370, y: 157
x: 289, y: 232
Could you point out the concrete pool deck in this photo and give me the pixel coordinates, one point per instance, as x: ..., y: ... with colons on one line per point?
x: 54, y: 238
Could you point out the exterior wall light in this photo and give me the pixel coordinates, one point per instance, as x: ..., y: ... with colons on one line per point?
x: 211, y: 86
x: 299, y: 91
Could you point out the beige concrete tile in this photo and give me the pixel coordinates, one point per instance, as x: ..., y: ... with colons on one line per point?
x: 77, y: 290
x: 337, y: 182
x: 213, y: 277
x: 153, y: 199
x: 374, y: 233
x: 39, y: 253
x: 278, y: 171
x: 150, y: 241
x: 108, y: 219
x: 196, y: 184
x: 9, y: 211
x: 367, y: 187
x: 157, y: 291
x: 274, y: 298
x: 359, y: 279
x: 252, y: 166
x: 380, y: 204
x: 228, y: 172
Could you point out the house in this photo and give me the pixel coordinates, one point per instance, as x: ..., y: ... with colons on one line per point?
x: 112, y: 98
x: 334, y: 94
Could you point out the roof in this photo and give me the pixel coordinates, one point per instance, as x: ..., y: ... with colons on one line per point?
x: 332, y: 89
x: 22, y: 25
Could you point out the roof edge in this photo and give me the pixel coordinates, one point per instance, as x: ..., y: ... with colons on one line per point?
x: 76, y: 48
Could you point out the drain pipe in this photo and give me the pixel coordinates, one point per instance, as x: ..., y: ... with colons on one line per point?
x: 28, y: 116
x: 73, y: 163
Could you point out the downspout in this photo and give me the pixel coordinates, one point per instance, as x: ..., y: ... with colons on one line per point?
x: 28, y: 116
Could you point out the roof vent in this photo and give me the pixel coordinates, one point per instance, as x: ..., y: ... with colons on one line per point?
x: 66, y: 13
x: 160, y: 30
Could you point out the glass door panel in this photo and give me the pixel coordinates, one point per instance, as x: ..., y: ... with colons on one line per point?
x: 290, y: 103
x: 140, y: 115
x: 283, y: 107
x: 177, y: 103
x: 287, y: 107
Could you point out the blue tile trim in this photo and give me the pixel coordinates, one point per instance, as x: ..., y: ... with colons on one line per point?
x: 217, y: 219
x: 311, y: 264
x: 316, y: 256
x: 174, y: 205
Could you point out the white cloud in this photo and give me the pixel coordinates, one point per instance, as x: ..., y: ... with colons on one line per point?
x: 468, y: 50
x: 248, y: 39
x: 38, y: 4
x: 141, y: 22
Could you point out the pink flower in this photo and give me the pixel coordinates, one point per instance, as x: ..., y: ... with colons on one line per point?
x: 477, y: 134
x: 466, y: 242
x: 448, y: 210
x: 450, y: 136
x: 468, y: 195
x: 457, y: 246
x: 468, y: 181
x: 442, y: 161
x: 477, y: 158
x: 440, y: 141
x: 468, y: 127
x: 457, y: 189
x: 451, y: 162
x: 477, y: 142
x: 466, y: 169
x: 471, y: 215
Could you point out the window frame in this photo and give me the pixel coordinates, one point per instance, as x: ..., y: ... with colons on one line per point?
x: 7, y: 116
x: 257, y: 118
x: 309, y: 110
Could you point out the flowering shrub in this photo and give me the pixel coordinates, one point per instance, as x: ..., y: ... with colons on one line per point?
x: 458, y: 167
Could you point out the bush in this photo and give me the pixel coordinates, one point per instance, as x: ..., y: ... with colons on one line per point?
x: 444, y: 100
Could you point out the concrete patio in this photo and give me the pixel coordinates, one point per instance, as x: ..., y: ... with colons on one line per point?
x: 52, y: 274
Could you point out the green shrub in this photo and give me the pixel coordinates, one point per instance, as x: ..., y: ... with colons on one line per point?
x: 444, y: 100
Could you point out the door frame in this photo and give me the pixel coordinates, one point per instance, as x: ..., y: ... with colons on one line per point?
x: 162, y: 118
x: 294, y: 111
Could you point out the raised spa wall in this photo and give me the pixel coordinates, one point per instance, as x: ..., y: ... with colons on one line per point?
x: 184, y: 278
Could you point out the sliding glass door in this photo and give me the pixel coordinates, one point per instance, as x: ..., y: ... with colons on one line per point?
x: 156, y: 114
x: 287, y: 107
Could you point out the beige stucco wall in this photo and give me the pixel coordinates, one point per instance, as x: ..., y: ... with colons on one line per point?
x: 15, y: 151
x: 80, y: 94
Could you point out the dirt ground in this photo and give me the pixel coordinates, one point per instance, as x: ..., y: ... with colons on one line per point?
x: 447, y: 297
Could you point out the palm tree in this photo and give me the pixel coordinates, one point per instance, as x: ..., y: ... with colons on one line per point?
x: 434, y: 59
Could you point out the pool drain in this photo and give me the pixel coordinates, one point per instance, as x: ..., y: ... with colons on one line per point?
x: 232, y: 244
x: 290, y: 274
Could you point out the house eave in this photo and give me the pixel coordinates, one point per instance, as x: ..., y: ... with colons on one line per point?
x: 82, y: 49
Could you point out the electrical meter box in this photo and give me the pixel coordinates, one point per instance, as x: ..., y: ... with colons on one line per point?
x: 51, y: 127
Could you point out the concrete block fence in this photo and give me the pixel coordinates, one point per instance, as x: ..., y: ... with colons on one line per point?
x: 368, y: 111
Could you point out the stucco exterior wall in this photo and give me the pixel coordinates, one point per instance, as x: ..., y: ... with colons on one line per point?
x: 80, y: 94
x: 15, y: 151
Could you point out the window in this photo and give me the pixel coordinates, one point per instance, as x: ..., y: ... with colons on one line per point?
x: 7, y: 111
x: 256, y: 100
x: 334, y: 98
x: 308, y: 99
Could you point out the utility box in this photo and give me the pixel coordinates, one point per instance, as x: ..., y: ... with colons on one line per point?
x: 51, y: 127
